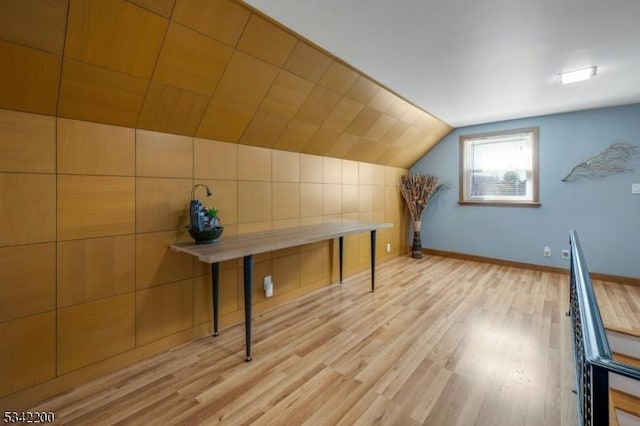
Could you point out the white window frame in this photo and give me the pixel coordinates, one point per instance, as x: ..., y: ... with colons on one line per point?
x: 467, y: 142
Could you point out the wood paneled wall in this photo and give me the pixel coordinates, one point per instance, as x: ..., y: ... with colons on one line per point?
x: 87, y: 281
x: 213, y: 69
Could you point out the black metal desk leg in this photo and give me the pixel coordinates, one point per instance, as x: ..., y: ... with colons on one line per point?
x: 248, y: 293
x: 340, y: 252
x: 215, y: 293
x: 373, y: 260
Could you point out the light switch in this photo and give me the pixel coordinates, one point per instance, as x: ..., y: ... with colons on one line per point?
x: 635, y: 188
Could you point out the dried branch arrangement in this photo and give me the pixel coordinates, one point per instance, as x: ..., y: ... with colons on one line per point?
x: 618, y: 158
x: 417, y: 190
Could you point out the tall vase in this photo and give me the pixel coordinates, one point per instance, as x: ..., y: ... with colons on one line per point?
x: 416, y: 251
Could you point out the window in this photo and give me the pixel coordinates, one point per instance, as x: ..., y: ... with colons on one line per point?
x: 500, y: 168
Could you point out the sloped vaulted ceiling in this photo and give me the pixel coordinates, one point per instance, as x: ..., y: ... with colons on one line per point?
x: 214, y: 69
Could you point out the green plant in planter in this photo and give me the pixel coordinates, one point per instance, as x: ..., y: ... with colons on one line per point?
x: 211, y: 212
x: 212, y: 220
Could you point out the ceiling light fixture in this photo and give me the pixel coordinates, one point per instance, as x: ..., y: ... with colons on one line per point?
x: 577, y: 75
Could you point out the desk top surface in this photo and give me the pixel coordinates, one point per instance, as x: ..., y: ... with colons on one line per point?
x: 236, y: 246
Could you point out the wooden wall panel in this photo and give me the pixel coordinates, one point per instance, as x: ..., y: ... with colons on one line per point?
x: 331, y: 170
x: 344, y: 113
x: 377, y: 130
x: 92, y: 93
x: 310, y: 168
x: 311, y: 261
x: 310, y: 199
x: 254, y: 202
x: 382, y: 100
x: 394, y: 133
x: 228, y: 296
x: 365, y: 202
x: 392, y: 175
x: 156, y: 264
x: 162, y: 204
x: 285, y: 166
x: 223, y: 20
x: 94, y: 331
x: 26, y: 203
x: 378, y: 175
x: 286, y: 274
x: 331, y: 199
x: 363, y: 122
x: 35, y: 23
x: 338, y: 78
x: 307, y: 62
x: 28, y: 79
x: 364, y: 251
x: 27, y: 280
x: 163, y: 155
x: 351, y: 260
x: 286, y: 200
x: 254, y: 163
x: 350, y: 172
x: 378, y: 197
x: 162, y: 7
x: 172, y: 110
x: 287, y: 94
x: 295, y: 136
x: 260, y: 270
x: 95, y: 268
x: 28, y: 354
x: 246, y: 80
x: 213, y: 69
x: 114, y: 34
x: 225, y: 199
x: 28, y: 142
x: 266, y: 41
x: 321, y: 141
x: 318, y: 106
x: 250, y: 227
x: 363, y: 90
x: 342, y: 145
x: 365, y: 174
x: 349, y: 198
x: 95, y: 149
x: 215, y: 160
x: 164, y: 310
x: 95, y: 206
x: 285, y: 223
x: 191, y: 61
x: 225, y: 121
x: 265, y: 129
x: 399, y: 108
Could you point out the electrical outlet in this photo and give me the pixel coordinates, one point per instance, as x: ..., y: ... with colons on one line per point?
x: 388, y: 247
x: 268, y: 286
x: 547, y: 251
x: 565, y: 254
x: 635, y: 188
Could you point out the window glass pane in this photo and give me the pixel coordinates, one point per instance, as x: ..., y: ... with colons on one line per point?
x: 499, y: 167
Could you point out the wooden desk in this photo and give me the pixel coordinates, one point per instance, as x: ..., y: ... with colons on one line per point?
x: 245, y: 246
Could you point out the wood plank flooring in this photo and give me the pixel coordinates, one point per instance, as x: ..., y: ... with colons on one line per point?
x: 442, y: 341
x: 619, y: 305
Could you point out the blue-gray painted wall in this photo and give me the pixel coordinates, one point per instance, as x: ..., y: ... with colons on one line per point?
x: 604, y: 211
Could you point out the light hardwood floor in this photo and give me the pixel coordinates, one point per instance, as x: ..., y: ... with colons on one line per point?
x: 441, y: 342
x: 619, y: 305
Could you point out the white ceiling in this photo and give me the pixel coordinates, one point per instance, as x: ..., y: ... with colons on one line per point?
x: 472, y: 61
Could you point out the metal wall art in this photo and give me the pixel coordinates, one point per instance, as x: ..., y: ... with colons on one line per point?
x: 620, y: 157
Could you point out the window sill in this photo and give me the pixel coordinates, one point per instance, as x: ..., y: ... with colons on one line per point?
x: 501, y: 203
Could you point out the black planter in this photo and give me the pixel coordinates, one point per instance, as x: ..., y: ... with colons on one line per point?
x: 206, y: 236
x: 416, y: 250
